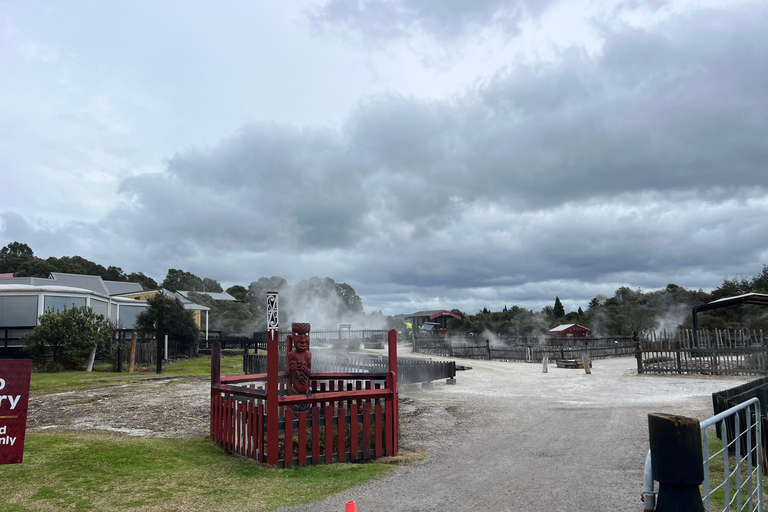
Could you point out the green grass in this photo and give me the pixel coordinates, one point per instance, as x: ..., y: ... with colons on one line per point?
x: 716, y: 476
x: 84, y: 472
x: 51, y: 382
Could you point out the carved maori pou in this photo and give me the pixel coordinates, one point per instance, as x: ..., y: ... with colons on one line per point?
x: 299, y: 360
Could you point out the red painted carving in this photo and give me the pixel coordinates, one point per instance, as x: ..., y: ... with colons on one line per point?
x: 299, y: 360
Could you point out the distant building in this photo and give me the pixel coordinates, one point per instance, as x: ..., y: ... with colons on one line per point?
x: 569, y: 331
x: 439, y: 316
x: 24, y: 299
x: 217, y: 296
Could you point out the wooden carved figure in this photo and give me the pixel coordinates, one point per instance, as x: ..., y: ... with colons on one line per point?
x: 299, y: 360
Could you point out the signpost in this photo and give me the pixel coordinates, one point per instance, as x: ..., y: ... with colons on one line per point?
x: 14, y: 397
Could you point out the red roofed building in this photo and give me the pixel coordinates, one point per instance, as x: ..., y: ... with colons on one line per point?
x: 569, y: 331
x: 439, y: 316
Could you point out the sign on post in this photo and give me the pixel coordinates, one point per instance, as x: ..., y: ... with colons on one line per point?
x: 14, y: 397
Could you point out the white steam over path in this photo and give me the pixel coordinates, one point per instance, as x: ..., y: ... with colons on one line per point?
x: 509, y: 437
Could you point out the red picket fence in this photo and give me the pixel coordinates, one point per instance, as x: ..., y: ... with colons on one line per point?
x: 345, y: 417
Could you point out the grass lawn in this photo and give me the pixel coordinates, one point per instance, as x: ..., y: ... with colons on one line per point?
x: 85, y: 472
x: 716, y: 475
x: 50, y: 382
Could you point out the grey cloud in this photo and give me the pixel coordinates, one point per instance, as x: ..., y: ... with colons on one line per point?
x: 642, y: 166
x: 444, y: 19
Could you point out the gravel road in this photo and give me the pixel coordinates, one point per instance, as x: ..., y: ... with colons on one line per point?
x: 505, y: 437
x: 509, y: 437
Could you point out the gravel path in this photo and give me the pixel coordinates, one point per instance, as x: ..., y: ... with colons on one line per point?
x: 509, y: 437
x: 505, y: 437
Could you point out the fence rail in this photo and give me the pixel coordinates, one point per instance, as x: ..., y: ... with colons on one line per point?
x: 594, y: 348
x: 408, y: 371
x: 345, y: 417
x: 717, y: 352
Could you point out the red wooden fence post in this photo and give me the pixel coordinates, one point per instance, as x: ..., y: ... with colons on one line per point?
x: 215, y: 379
x: 272, y: 406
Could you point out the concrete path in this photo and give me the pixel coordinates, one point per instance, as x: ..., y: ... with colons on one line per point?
x: 509, y: 437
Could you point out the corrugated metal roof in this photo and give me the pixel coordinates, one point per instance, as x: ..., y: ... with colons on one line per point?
x: 213, y: 295
x: 93, y: 283
x: 54, y: 288
x: 31, y: 281
x: 425, y: 313
x: 120, y: 287
x: 565, y: 327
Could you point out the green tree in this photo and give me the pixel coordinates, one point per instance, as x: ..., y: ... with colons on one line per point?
x: 177, y: 280
x: 558, y: 310
x: 228, y: 316
x: 71, y: 334
x: 14, y: 255
x: 146, y: 282
x: 178, y: 323
x: 237, y: 291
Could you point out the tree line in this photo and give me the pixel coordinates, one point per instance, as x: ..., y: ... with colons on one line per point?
x: 629, y: 311
x: 322, y: 297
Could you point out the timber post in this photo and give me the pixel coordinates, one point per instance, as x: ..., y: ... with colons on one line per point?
x: 215, y: 379
x: 638, y: 354
x: 393, y: 409
x: 676, y: 462
x: 272, y: 378
x: 488, y: 348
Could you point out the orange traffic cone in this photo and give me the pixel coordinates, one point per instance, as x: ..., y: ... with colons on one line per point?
x: 351, y: 507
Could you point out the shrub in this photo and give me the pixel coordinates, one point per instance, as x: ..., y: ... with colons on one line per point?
x: 70, y: 334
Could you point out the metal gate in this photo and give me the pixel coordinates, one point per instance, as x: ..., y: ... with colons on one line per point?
x: 741, y: 477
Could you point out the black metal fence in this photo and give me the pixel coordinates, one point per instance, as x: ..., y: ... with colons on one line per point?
x: 11, y: 345
x: 408, y: 371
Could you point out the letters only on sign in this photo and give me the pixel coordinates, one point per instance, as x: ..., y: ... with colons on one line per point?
x: 14, y: 396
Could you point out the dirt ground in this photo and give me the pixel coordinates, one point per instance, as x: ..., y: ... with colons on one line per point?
x: 505, y: 437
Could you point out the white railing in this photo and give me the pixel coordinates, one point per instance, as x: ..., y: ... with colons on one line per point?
x: 742, y: 474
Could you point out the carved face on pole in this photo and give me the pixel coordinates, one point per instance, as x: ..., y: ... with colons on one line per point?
x: 299, y: 360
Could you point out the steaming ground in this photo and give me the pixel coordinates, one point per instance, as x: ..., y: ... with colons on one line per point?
x: 505, y: 437
x: 509, y: 437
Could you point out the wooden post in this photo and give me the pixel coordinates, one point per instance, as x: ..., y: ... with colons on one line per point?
x: 272, y: 398
x: 676, y: 461
x: 585, y: 362
x: 544, y: 361
x: 215, y: 379
x: 638, y: 354
x: 132, y: 354
x: 488, y: 348
x: 394, y: 410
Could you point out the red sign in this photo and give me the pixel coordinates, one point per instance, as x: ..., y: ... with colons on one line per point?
x: 14, y: 396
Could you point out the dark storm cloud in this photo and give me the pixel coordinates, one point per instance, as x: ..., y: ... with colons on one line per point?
x: 267, y: 184
x: 444, y: 19
x: 642, y: 165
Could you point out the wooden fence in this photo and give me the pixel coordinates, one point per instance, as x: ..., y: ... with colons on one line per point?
x: 408, y: 371
x: 146, y: 351
x: 345, y: 417
x: 717, y: 352
x: 593, y: 348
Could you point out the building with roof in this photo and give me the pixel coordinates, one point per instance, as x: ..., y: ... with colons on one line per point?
x: 199, y: 312
x: 217, y: 296
x: 24, y: 299
x: 439, y: 316
x: 569, y: 331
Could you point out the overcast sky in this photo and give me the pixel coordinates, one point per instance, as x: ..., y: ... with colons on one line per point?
x: 430, y: 153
